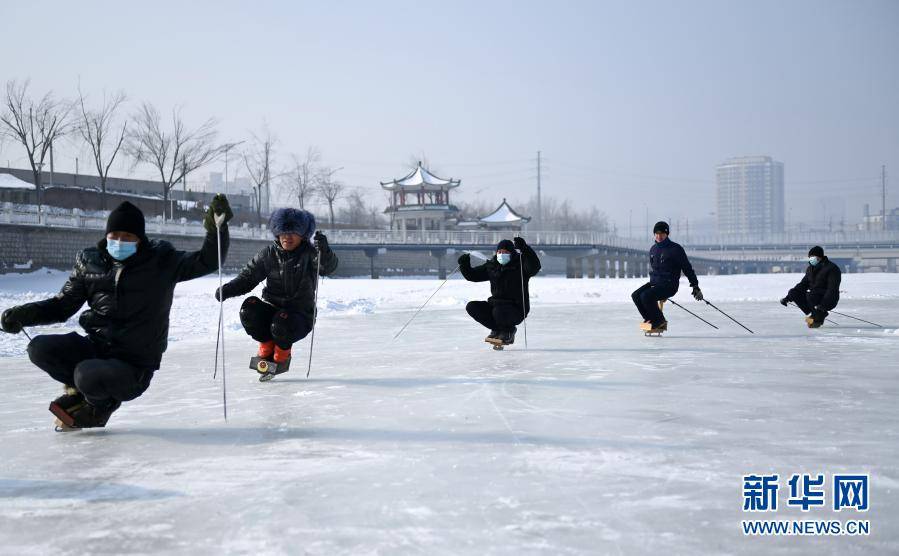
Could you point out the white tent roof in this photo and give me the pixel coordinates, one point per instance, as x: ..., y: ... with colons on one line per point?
x: 420, y: 177
x: 9, y: 181
x: 504, y: 215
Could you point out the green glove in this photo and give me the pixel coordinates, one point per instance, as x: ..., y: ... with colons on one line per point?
x: 219, y: 210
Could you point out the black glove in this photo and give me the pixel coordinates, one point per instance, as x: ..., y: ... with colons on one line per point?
x: 320, y: 241
x: 519, y: 243
x: 465, y: 260
x: 697, y: 293
x: 784, y: 301
x: 219, y: 206
x: 9, y: 321
x: 218, y: 294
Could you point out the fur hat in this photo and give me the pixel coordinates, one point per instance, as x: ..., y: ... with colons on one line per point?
x: 292, y: 221
x: 816, y: 251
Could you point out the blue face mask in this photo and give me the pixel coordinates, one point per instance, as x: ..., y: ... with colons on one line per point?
x: 120, y: 250
x: 503, y: 258
x: 813, y: 261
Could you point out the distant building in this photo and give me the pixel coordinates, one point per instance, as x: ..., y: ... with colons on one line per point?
x: 421, y: 201
x: 750, y: 196
x: 504, y: 218
x: 874, y: 222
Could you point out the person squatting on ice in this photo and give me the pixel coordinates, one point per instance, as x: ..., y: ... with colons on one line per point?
x: 819, y: 290
x: 286, y: 312
x: 503, y: 310
x: 667, y: 260
x: 128, y: 281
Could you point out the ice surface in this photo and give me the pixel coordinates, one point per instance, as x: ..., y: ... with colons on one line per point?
x: 595, y: 439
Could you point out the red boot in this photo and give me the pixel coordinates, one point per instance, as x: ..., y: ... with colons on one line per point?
x: 282, y: 356
x: 266, y: 349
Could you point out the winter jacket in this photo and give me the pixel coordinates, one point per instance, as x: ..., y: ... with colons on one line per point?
x: 289, y: 276
x: 822, y: 279
x: 505, y: 280
x: 667, y: 260
x: 129, y: 302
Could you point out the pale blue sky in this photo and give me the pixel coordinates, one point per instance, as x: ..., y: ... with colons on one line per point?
x: 607, y: 90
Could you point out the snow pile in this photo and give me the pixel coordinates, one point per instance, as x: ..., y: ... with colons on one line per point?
x: 9, y: 181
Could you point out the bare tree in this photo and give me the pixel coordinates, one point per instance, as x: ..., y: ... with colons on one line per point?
x: 355, y: 213
x: 35, y: 125
x: 302, y: 178
x: 174, y: 152
x: 100, y: 130
x: 258, y: 160
x: 329, y: 189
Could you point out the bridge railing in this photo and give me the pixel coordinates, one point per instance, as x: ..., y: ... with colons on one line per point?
x: 794, y: 239
x: 78, y: 219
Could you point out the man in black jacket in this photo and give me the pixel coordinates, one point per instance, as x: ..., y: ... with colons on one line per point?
x: 508, y: 272
x: 286, y: 312
x: 667, y: 260
x: 819, y: 290
x: 128, y: 282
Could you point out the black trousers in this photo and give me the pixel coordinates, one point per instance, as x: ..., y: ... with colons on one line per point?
x: 806, y: 301
x: 647, y: 298
x: 74, y: 360
x: 502, y: 317
x: 265, y: 322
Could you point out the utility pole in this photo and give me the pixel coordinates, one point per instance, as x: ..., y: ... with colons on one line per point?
x: 883, y: 194
x: 75, y: 178
x: 51, y: 163
x: 539, y: 201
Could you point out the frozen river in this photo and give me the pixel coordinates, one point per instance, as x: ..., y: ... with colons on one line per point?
x: 595, y: 439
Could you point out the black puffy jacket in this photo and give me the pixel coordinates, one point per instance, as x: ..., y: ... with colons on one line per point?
x: 129, y: 302
x: 823, y: 279
x: 667, y: 260
x: 289, y: 276
x: 505, y: 279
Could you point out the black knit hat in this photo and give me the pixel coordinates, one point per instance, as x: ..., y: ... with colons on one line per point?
x: 816, y: 251
x: 126, y: 218
x: 507, y: 245
x: 660, y: 226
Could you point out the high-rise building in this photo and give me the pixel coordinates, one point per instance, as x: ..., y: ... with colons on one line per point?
x: 750, y: 196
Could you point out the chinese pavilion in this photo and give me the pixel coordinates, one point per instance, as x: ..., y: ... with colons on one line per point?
x: 421, y: 201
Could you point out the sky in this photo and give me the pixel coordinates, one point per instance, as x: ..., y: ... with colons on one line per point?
x: 631, y: 104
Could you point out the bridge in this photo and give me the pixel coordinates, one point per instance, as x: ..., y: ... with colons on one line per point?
x: 576, y: 253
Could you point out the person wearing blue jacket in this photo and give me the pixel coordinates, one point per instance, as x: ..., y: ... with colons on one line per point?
x: 667, y: 260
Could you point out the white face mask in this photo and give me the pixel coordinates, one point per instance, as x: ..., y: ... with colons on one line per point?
x: 503, y: 258
x: 813, y: 261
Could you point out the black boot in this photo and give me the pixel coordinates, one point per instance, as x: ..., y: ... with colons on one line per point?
x: 508, y: 337
x: 493, y: 336
x: 64, y: 406
x: 90, y: 416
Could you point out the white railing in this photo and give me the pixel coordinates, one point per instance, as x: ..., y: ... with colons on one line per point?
x: 797, y: 238
x: 77, y: 219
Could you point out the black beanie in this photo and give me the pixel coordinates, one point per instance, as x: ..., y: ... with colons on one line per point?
x: 660, y: 227
x: 126, y: 218
x: 507, y: 245
x: 816, y: 251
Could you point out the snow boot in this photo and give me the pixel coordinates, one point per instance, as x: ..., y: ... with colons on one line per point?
x: 493, y: 337
x: 89, y: 416
x: 64, y: 406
